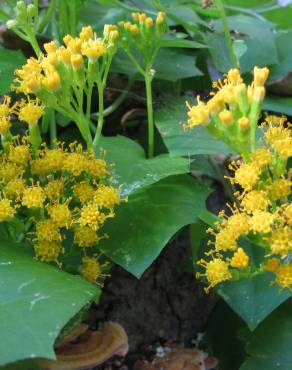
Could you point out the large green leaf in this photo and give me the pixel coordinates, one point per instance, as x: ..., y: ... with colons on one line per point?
x: 180, y: 64
x: 180, y: 142
x: 254, y: 32
x: 36, y: 301
x: 284, y: 66
x: 132, y: 170
x: 279, y: 104
x: 253, y: 299
x: 143, y: 225
x: 9, y: 61
x: 269, y: 346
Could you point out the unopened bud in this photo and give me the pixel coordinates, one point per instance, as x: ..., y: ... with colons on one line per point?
x: 20, y: 5
x: 149, y: 22
x: 226, y: 117
x: 50, y: 47
x: 259, y: 93
x: 76, y: 61
x: 234, y: 77
x: 31, y: 10
x: 52, y: 81
x: 243, y: 123
x: 160, y: 18
x: 11, y: 24
x: 260, y: 76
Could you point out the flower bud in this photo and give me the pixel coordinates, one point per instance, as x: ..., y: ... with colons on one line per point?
x: 31, y: 10
x: 76, y: 61
x: 149, y: 22
x: 50, y: 47
x: 11, y: 23
x: 243, y: 123
x: 20, y: 5
x: 234, y: 77
x: 135, y: 16
x: 160, y: 18
x: 226, y: 117
x: 52, y: 81
x: 259, y: 93
x: 64, y: 55
x: 86, y: 33
x: 260, y: 76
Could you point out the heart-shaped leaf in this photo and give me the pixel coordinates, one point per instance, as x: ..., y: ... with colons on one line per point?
x: 36, y: 301
x: 143, y: 225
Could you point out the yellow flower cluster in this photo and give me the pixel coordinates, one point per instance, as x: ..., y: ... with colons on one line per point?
x: 54, y: 70
x: 144, y: 33
x: 45, y: 189
x: 233, y: 110
x: 262, y: 214
x: 28, y: 110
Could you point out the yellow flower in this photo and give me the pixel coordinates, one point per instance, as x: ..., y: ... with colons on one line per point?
x: 52, y: 81
x: 226, y: 117
x: 60, y: 214
x: 106, y: 196
x: 160, y: 18
x: 19, y: 154
x: 284, y: 147
x: 29, y: 77
x: 93, y: 49
x: 233, y: 77
x: 91, y: 269
x: 262, y: 157
x: 86, y: 33
x: 48, y: 251
x: 30, y: 111
x: 83, y: 191
x: 5, y: 125
x: 284, y: 276
x: 33, y: 197
x: 198, y: 114
x: 255, y: 200
x: 96, y: 168
x: 91, y: 216
x: 281, y: 240
x: 240, y: 259
x: 243, y: 123
x: 7, y: 212
x: 76, y: 61
x: 216, y: 103
x: 216, y: 271
x: 280, y: 188
x: 47, y: 230
x: 272, y: 265
x: 225, y: 240
x: 55, y: 188
x: 287, y: 212
x: 85, y: 237
x: 247, y: 176
x: 5, y: 109
x: 261, y: 221
x: 260, y: 76
x: 10, y: 171
x: 14, y: 188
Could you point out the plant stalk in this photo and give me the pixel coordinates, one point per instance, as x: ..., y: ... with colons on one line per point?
x: 148, y: 84
x: 223, y: 16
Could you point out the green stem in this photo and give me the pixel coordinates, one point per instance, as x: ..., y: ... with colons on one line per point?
x: 53, y: 129
x: 33, y: 41
x: 47, y: 17
x: 100, y: 114
x: 111, y: 108
x: 89, y: 90
x: 134, y: 61
x: 35, y: 136
x: 148, y: 82
x: 222, y: 13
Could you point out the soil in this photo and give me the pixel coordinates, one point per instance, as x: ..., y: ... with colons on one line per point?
x: 166, y: 305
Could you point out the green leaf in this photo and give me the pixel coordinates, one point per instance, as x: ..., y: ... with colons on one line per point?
x: 222, y: 335
x: 132, y: 170
x: 254, y: 32
x: 279, y: 15
x: 284, y: 66
x: 9, y: 61
x: 174, y: 42
x: 253, y: 299
x: 180, y: 65
x: 143, y: 226
x: 36, y: 301
x: 269, y: 346
x: 180, y: 142
x: 279, y: 104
